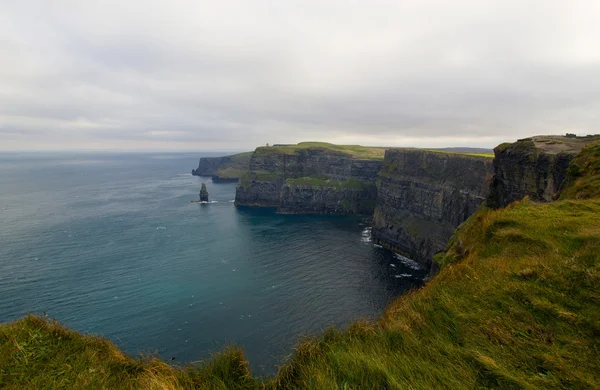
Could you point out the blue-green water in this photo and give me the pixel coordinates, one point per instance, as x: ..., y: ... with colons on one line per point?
x: 111, y: 244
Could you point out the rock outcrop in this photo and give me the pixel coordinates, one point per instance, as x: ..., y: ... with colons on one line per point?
x: 203, y: 193
x: 423, y: 196
x: 535, y: 167
x: 309, y: 180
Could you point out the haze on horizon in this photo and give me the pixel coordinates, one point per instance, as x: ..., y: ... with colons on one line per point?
x: 201, y: 75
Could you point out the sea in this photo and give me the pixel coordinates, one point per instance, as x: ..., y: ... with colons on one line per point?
x: 110, y: 244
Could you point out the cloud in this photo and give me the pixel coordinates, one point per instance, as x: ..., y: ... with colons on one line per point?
x: 235, y: 74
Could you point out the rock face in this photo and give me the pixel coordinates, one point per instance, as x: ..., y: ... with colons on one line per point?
x: 309, y: 180
x: 207, y: 166
x: 203, y: 193
x: 423, y: 196
x: 534, y: 167
x: 219, y: 179
x: 225, y: 169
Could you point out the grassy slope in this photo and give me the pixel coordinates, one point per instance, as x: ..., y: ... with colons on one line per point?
x: 236, y: 167
x: 514, y: 306
x: 37, y: 353
x: 584, y: 174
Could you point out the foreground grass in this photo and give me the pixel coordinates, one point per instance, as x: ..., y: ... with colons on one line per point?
x: 37, y: 353
x: 515, y: 306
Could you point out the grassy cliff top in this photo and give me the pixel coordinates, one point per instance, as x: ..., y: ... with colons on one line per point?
x: 514, y: 306
x: 486, y: 155
x: 237, y: 165
x: 551, y: 144
x: 355, y: 151
x: 554, y: 144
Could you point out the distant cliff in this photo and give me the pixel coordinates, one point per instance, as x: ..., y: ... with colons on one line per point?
x: 423, y: 196
x: 223, y: 169
x: 534, y: 167
x: 314, y: 178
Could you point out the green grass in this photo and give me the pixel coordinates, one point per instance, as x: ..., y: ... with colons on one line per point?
x: 584, y: 174
x: 231, y: 172
x: 236, y: 167
x: 515, y: 306
x: 355, y: 151
x: 488, y: 155
x: 37, y: 353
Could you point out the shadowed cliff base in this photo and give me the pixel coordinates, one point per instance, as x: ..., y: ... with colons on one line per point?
x: 515, y: 305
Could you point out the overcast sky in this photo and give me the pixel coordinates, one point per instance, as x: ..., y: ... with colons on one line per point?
x: 201, y: 75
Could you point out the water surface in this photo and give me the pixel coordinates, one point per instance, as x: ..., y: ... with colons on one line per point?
x: 111, y: 244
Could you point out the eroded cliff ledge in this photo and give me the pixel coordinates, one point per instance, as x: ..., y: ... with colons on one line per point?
x: 315, y: 178
x: 423, y: 196
x: 534, y: 167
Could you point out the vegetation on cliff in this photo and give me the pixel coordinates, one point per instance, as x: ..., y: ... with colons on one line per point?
x: 355, y: 151
x: 515, y: 305
x: 488, y: 155
x: 583, y: 175
x: 227, y: 167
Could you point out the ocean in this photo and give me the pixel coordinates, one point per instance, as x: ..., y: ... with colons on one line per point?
x: 110, y: 244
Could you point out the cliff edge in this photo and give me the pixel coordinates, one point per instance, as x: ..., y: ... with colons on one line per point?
x: 223, y: 169
x: 312, y: 178
x: 535, y: 167
x: 423, y: 196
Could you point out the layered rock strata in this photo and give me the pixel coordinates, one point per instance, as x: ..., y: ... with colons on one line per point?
x: 535, y: 167
x: 422, y: 196
x: 309, y: 180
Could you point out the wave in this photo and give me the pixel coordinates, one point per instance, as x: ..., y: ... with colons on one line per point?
x: 407, y: 262
x: 366, y: 235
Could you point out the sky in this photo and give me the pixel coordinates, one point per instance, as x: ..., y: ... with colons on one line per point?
x: 142, y: 75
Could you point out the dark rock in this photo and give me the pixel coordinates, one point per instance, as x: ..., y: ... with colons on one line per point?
x: 310, y: 180
x: 535, y: 167
x: 226, y: 167
x: 203, y: 193
x: 219, y: 179
x: 423, y: 196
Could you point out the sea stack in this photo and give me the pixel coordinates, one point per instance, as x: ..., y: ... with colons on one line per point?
x: 203, y: 193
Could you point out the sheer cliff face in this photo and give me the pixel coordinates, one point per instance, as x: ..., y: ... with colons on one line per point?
x: 534, y: 167
x: 223, y: 169
x: 207, y: 166
x: 423, y: 196
x: 312, y: 180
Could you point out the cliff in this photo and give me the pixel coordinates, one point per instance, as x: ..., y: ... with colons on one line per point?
x: 315, y: 178
x: 535, y: 167
x: 514, y: 306
x: 423, y: 196
x: 223, y: 169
